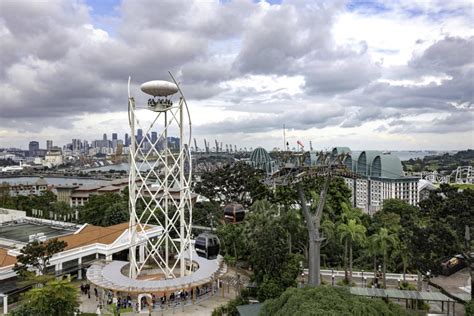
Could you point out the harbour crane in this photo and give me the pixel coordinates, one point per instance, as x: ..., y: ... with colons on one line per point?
x: 196, y: 145
x: 206, y: 146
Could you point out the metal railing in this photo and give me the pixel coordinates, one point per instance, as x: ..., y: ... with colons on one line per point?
x: 367, y: 274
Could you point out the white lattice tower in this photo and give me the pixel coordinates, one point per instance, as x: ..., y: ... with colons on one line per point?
x: 159, y: 186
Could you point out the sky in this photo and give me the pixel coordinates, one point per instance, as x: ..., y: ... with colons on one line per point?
x: 388, y: 75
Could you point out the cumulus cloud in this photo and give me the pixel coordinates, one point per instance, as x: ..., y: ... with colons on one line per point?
x: 271, y: 64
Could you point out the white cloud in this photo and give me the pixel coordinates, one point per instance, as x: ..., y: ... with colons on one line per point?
x: 334, y: 75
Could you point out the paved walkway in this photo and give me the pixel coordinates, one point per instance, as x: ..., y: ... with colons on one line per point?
x: 200, y: 308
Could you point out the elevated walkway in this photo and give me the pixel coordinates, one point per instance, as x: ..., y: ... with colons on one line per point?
x: 108, y: 275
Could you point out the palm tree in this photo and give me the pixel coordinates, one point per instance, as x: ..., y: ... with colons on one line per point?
x: 351, y: 233
x: 373, y: 251
x: 349, y: 213
x: 405, y: 255
x: 384, y: 240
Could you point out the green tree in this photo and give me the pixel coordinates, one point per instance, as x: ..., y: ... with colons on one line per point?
x: 351, y: 232
x: 327, y: 300
x: 238, y: 182
x: 105, y: 210
x: 116, y: 213
x: 61, y: 209
x: 207, y: 214
x: 55, y: 298
x: 267, y: 244
x: 233, y: 240
x: 36, y: 255
x: 6, y: 200
x: 384, y: 240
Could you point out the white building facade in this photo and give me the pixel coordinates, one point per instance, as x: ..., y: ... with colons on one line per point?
x: 379, y: 176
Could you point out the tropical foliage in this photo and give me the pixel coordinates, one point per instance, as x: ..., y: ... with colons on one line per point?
x: 55, y: 298
x: 327, y: 300
x: 36, y: 255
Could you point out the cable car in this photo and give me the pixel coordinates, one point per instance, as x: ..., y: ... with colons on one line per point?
x: 207, y: 246
x: 234, y: 213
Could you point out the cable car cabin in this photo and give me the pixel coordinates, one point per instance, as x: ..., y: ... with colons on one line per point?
x: 234, y: 213
x: 207, y: 246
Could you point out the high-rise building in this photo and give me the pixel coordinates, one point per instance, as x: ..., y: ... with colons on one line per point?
x: 139, y: 135
x: 154, y: 137
x: 49, y: 145
x: 33, y: 148
x: 114, y: 136
x: 125, y: 141
x: 105, y: 137
x: 379, y: 176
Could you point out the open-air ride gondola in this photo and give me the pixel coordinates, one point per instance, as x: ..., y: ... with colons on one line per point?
x: 207, y: 246
x: 234, y: 213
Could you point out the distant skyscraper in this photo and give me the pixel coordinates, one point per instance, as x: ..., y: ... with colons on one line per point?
x: 114, y: 136
x: 49, y: 145
x: 76, y: 144
x: 139, y: 135
x: 125, y: 141
x: 33, y: 148
x: 154, y: 137
x: 105, y: 137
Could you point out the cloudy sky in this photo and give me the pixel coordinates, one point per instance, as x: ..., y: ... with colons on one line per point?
x: 365, y: 74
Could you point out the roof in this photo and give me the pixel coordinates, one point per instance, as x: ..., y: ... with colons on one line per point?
x: 107, y: 275
x: 249, y: 309
x: 355, y: 158
x: 88, y: 188
x: 260, y: 155
x: 391, y: 293
x: 91, y: 234
x: 364, y: 162
x: 5, y: 258
x: 110, y: 188
x: 66, y: 187
x: 21, y: 232
x: 387, y: 166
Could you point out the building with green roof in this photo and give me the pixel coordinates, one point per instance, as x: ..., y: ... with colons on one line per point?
x: 380, y: 176
x: 260, y: 159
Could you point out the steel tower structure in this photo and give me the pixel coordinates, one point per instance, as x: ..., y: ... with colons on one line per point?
x: 160, y: 180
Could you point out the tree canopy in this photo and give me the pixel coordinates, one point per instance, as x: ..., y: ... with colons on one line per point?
x: 36, y: 255
x: 55, y: 298
x: 105, y: 210
x: 327, y: 300
x: 237, y: 182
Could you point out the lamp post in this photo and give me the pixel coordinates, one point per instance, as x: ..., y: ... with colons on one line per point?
x: 428, y: 276
x: 379, y: 275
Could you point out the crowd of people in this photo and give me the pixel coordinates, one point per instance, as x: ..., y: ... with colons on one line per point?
x: 121, y: 301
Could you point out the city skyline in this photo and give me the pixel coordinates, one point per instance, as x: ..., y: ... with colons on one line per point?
x: 366, y: 74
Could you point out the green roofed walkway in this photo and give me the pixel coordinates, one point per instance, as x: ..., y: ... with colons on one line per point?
x: 249, y: 310
x: 413, y: 296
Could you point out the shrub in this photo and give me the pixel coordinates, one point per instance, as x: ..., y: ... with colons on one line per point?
x: 327, y: 300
